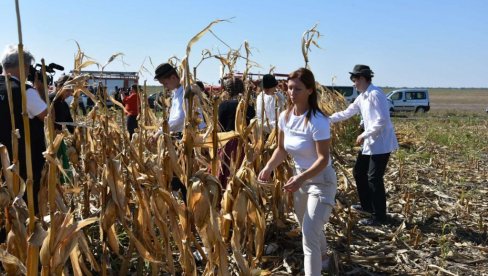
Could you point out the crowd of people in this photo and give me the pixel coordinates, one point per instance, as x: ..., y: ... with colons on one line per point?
x: 291, y: 107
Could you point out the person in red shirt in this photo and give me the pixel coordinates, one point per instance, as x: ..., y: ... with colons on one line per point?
x: 132, y: 106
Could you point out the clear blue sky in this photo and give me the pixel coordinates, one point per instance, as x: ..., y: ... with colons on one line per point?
x: 406, y: 42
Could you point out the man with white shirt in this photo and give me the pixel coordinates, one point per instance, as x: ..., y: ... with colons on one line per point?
x: 377, y: 142
x: 269, y: 103
x: 168, y: 77
x: 36, y: 110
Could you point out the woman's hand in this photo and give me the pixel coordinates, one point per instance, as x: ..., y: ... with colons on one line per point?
x: 265, y: 175
x: 293, y: 184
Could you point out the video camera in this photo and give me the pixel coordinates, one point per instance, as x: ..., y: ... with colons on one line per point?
x: 35, y: 72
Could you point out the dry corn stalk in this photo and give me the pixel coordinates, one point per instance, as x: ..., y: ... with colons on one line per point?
x: 203, y: 196
x: 307, y: 40
x: 60, y: 241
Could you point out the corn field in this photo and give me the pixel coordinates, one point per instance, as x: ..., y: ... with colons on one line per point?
x: 118, y: 215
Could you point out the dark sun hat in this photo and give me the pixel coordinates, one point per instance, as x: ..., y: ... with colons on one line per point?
x: 164, y: 70
x: 362, y: 70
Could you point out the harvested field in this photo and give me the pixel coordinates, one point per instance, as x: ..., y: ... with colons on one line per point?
x: 475, y: 100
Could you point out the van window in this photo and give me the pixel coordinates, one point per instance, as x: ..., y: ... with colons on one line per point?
x: 415, y: 95
x: 397, y: 96
x: 420, y: 96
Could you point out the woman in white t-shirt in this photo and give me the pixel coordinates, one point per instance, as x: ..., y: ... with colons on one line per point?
x: 305, y: 135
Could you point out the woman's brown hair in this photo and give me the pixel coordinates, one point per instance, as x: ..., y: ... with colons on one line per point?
x: 307, y: 78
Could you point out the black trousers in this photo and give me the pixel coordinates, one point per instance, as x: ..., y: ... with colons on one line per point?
x: 368, y: 173
x: 83, y: 108
x: 177, y: 185
x: 38, y: 162
x: 131, y: 124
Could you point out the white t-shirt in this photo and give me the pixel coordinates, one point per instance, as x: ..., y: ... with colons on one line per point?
x: 270, y: 104
x: 299, y: 139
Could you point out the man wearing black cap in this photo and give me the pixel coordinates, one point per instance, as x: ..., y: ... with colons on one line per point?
x: 377, y: 142
x: 166, y: 75
x: 269, y: 103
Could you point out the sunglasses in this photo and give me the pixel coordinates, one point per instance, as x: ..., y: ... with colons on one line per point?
x: 354, y: 78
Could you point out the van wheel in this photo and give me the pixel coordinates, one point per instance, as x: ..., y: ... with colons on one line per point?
x: 420, y: 109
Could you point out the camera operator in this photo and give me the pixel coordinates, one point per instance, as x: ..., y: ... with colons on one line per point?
x: 62, y: 111
x: 36, y: 110
x: 62, y: 114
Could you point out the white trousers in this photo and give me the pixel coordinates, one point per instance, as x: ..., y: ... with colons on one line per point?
x: 313, y: 205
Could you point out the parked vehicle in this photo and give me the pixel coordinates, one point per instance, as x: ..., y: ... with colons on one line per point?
x: 349, y: 92
x: 153, y: 100
x: 414, y: 100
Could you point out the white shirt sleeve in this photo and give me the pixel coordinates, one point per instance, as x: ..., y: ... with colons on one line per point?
x: 35, y: 105
x: 350, y: 111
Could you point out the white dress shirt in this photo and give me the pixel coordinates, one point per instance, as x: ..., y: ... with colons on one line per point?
x: 177, y: 113
x: 379, y: 134
x: 176, y: 118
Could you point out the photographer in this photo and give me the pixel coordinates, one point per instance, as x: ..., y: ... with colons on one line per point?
x: 36, y: 110
x: 62, y: 112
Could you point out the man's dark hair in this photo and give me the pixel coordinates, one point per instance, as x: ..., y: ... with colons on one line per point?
x: 234, y: 86
x: 200, y: 84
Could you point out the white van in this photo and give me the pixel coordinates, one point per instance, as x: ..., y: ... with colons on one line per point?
x: 416, y: 100
x: 349, y: 92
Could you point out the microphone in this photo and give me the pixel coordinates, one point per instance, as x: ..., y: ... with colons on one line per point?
x: 56, y: 66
